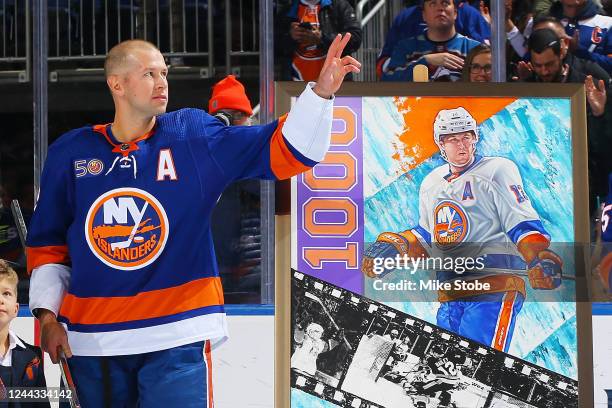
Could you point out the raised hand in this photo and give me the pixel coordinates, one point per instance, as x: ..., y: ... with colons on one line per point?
x: 335, y: 68
x: 524, y: 70
x: 596, y: 95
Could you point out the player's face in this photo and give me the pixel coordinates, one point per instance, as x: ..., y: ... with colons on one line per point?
x: 459, y: 148
x: 480, y: 70
x: 8, y: 302
x: 316, y: 333
x: 146, y: 83
x: 546, y: 65
x: 439, y: 13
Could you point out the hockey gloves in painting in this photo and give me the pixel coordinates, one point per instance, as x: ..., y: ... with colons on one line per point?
x: 389, y: 245
x: 545, y: 270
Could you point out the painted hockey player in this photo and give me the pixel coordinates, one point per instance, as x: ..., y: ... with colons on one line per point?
x: 475, y: 206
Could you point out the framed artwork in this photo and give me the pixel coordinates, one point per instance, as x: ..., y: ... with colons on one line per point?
x: 435, y: 258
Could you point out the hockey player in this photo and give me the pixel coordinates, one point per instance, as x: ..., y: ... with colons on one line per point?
x: 124, y: 277
x: 305, y: 356
x: 439, y: 376
x: 476, y: 207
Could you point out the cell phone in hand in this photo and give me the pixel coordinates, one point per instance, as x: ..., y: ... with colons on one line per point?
x: 306, y: 25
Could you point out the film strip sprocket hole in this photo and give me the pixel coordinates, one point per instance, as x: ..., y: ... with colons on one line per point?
x: 354, y: 352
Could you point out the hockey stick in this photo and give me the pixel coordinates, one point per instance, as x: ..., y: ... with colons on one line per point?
x: 128, y: 242
x: 316, y: 299
x: 67, y: 378
x: 495, y: 271
x: 64, y: 369
x: 19, y: 222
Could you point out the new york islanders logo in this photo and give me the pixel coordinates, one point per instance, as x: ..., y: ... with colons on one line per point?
x: 126, y: 228
x: 451, y: 224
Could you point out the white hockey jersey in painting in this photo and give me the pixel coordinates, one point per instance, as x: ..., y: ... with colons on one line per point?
x: 480, y: 212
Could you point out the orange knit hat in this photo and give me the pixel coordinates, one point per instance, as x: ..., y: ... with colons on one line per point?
x: 229, y: 93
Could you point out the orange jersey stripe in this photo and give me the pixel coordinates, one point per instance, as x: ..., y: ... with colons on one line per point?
x: 208, y: 357
x: 38, y: 256
x: 146, y: 305
x: 282, y: 161
x: 503, y: 324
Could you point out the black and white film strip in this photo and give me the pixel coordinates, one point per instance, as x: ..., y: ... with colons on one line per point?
x: 354, y: 352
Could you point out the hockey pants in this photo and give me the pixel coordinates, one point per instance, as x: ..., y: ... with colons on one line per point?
x: 489, y: 318
x: 177, y: 377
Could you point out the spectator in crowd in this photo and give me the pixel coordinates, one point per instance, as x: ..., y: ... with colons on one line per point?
x: 551, y: 61
x: 312, y: 25
x: 542, y: 7
x: 236, y: 222
x: 20, y: 363
x: 519, y: 18
x: 477, y: 66
x: 589, y: 29
x: 229, y: 102
x: 441, y: 48
x: 410, y: 23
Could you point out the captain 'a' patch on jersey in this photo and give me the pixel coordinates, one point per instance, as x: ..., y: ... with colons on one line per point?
x: 126, y: 228
x: 451, y: 224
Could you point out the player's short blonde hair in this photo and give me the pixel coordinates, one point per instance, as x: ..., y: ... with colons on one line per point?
x: 8, y: 273
x: 119, y: 54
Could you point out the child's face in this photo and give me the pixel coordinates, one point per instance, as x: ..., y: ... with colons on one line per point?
x: 8, y: 302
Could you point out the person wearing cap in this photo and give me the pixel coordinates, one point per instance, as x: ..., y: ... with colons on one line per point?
x: 590, y: 31
x: 230, y: 103
x: 236, y: 223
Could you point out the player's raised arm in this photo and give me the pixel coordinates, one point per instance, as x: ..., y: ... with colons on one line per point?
x: 292, y: 144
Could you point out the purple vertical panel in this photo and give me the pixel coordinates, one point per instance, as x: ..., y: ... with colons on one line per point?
x: 330, y: 205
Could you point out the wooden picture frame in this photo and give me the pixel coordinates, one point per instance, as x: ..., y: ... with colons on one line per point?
x: 285, y: 232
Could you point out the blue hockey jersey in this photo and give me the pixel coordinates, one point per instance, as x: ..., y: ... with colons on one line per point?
x: 409, y: 23
x: 133, y: 221
x: 595, y: 35
x: 410, y: 52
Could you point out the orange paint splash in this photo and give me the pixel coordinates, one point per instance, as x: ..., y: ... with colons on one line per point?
x: 415, y: 143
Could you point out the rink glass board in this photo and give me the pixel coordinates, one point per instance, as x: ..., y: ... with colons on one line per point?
x: 382, y: 148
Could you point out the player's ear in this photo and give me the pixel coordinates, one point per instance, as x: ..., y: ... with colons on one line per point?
x: 114, y: 84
